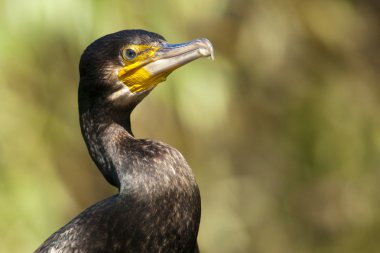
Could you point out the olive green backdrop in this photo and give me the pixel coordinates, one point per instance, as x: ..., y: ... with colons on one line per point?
x: 282, y: 130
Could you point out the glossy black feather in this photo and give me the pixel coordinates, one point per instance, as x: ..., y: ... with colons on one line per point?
x: 158, y: 205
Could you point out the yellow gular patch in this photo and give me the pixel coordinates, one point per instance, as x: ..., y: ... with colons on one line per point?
x: 133, y: 74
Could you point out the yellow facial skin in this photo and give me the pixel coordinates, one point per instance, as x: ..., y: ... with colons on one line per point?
x: 145, y: 66
x: 134, y: 75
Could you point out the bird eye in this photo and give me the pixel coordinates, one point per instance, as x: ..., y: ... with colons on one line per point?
x: 129, y: 54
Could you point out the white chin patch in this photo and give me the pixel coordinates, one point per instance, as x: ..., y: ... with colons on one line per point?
x: 120, y: 95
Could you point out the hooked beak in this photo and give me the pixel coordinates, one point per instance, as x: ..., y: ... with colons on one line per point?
x: 172, y: 56
x: 156, y: 64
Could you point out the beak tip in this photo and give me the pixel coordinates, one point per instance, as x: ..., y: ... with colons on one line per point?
x: 209, y: 49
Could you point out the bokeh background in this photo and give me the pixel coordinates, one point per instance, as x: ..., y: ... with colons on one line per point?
x: 282, y: 130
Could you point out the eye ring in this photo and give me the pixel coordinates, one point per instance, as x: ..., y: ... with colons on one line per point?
x: 129, y: 54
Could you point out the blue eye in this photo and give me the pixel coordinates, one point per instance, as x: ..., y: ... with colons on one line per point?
x: 129, y: 54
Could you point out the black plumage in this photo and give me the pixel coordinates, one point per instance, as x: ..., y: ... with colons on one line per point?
x: 158, y: 206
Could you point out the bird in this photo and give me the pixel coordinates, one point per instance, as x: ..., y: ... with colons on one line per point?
x: 158, y: 205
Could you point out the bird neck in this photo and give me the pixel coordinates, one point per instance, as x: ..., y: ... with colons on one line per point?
x: 101, y: 132
x: 135, y: 166
x: 156, y: 185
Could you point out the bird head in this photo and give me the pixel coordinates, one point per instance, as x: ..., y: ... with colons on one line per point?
x: 125, y: 66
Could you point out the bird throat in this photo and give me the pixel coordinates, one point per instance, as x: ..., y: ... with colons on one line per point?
x: 139, y: 79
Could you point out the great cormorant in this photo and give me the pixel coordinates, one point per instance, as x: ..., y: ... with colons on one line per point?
x: 158, y: 205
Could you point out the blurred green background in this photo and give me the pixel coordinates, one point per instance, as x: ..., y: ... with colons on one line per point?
x: 282, y: 130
